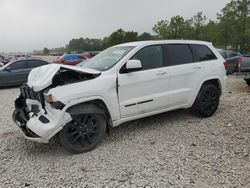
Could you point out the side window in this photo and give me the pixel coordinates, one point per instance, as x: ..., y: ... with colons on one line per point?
x: 202, y: 53
x: 18, y: 65
x: 151, y: 57
x: 36, y: 63
x: 178, y: 54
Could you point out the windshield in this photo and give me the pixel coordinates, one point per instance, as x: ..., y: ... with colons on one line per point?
x: 108, y: 58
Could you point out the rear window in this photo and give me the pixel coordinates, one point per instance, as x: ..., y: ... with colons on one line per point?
x: 202, y: 53
x: 178, y: 54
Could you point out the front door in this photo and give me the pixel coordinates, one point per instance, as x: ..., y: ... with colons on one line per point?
x: 145, y: 90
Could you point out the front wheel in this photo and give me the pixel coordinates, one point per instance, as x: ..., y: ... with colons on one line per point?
x: 207, y: 101
x: 83, y: 133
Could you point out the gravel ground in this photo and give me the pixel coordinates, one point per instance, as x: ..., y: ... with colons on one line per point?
x: 174, y: 149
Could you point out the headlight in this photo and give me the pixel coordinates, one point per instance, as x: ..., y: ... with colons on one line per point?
x: 49, y: 98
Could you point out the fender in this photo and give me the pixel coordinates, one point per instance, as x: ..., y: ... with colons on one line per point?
x: 85, y: 108
x: 113, y: 110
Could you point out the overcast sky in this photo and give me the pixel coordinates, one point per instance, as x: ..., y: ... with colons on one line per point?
x: 27, y: 25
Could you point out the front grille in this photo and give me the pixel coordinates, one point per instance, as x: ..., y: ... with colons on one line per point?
x: 28, y: 93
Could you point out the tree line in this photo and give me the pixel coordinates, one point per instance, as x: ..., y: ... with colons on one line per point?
x: 231, y: 30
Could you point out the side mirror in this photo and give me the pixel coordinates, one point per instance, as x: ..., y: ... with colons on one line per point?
x: 8, y: 69
x: 133, y: 65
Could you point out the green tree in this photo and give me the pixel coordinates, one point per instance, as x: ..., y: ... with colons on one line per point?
x: 234, y: 25
x: 120, y: 36
x: 130, y: 36
x: 178, y: 27
x: 211, y: 33
x: 116, y: 37
x: 87, y: 44
x: 198, y: 25
x: 46, y: 51
x: 145, y: 36
x: 161, y: 29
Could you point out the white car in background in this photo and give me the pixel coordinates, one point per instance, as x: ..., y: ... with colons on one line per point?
x: 123, y: 83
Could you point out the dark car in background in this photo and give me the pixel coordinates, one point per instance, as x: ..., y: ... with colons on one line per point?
x: 233, y: 60
x: 3, y: 59
x: 70, y: 59
x: 16, y: 73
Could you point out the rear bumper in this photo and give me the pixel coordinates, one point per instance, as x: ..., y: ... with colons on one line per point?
x: 36, y: 124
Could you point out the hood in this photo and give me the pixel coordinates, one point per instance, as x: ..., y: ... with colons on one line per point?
x: 42, y: 77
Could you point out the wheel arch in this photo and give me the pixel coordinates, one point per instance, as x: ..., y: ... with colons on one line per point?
x: 92, y: 106
x: 214, y: 81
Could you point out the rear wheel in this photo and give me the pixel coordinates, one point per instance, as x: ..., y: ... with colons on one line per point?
x: 207, y: 101
x: 83, y: 133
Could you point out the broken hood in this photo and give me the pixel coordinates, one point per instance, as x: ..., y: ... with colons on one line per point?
x: 42, y: 77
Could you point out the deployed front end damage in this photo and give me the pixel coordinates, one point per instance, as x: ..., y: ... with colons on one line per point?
x: 38, y: 117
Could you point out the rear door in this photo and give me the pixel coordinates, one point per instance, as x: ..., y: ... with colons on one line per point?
x: 185, y: 74
x: 145, y: 90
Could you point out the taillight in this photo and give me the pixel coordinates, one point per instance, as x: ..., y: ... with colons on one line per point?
x: 240, y: 60
x: 225, y: 64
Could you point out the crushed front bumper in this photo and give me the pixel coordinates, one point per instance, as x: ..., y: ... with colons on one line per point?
x: 37, y: 124
x: 21, y: 116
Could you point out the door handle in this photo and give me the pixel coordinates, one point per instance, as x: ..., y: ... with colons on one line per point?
x: 161, y: 73
x: 197, y: 67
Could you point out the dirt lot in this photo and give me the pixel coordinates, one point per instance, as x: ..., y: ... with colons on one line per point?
x: 174, y: 149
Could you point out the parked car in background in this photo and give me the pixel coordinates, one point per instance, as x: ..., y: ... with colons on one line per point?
x: 233, y: 59
x: 2, y: 57
x: 16, y: 73
x: 244, y: 69
x: 70, y: 59
x: 3, y: 60
x: 87, y: 55
x: 123, y: 83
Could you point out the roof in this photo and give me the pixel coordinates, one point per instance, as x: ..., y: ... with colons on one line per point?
x: 150, y: 42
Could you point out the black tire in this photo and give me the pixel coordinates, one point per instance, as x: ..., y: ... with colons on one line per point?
x: 207, y: 101
x: 83, y: 133
x: 248, y: 81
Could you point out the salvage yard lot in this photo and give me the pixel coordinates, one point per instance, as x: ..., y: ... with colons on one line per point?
x: 172, y: 149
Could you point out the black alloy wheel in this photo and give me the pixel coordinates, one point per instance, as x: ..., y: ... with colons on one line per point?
x: 83, y: 133
x: 207, y: 101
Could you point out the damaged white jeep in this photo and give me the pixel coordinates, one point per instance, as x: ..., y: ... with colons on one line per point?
x: 122, y: 83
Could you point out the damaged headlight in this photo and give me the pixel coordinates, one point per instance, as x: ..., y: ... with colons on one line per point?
x: 57, y: 104
x: 49, y: 98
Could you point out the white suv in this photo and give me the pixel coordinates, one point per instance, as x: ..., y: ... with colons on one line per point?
x: 123, y: 83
